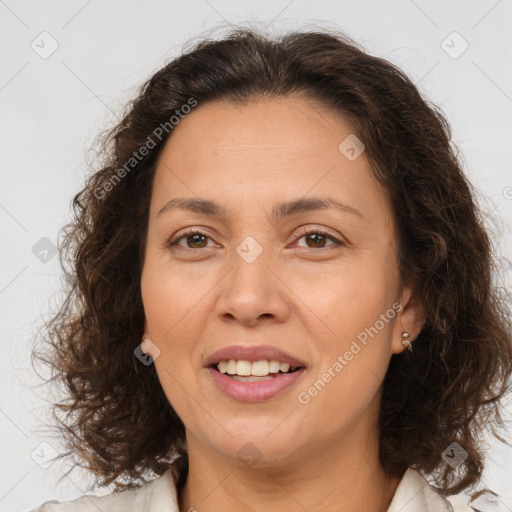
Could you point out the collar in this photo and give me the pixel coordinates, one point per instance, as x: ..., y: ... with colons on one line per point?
x: 413, y: 494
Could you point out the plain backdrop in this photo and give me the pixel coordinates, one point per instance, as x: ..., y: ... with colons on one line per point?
x: 67, y: 69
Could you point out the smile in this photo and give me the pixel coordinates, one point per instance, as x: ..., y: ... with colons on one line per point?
x: 263, y: 368
x: 254, y: 382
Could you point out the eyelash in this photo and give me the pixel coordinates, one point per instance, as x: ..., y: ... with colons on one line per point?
x: 317, y: 231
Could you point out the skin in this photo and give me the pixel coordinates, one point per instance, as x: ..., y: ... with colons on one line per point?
x: 310, y: 298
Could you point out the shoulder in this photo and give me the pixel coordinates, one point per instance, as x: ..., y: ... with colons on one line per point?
x: 415, y: 494
x: 158, y: 494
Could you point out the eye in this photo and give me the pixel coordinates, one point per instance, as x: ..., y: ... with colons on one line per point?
x: 191, y: 236
x: 198, y: 239
x: 318, y: 238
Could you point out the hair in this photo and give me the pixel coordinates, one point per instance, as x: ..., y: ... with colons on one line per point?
x: 117, y: 419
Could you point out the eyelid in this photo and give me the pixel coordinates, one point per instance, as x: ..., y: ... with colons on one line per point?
x: 318, y: 229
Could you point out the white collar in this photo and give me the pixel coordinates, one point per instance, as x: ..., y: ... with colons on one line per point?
x: 413, y: 494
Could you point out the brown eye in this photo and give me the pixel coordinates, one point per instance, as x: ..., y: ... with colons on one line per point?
x: 196, y: 239
x: 317, y: 239
x: 193, y: 239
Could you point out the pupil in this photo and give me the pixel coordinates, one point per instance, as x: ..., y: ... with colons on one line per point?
x: 195, y: 238
x: 316, y: 236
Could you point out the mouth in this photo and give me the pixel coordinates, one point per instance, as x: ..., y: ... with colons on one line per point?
x: 254, y: 371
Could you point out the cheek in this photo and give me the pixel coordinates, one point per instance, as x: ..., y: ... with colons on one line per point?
x: 352, y: 298
x: 170, y: 322
x: 172, y: 296
x: 176, y: 303
x: 354, y: 357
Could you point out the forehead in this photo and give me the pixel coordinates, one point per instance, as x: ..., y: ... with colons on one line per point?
x: 264, y: 150
x: 267, y: 128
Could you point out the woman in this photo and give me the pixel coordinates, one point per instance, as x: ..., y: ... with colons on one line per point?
x: 282, y: 295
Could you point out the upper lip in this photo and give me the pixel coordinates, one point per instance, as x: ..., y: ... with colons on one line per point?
x: 254, y: 353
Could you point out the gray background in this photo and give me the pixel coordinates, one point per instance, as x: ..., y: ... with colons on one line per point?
x: 54, y: 104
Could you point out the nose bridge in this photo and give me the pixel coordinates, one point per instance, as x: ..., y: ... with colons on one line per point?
x: 250, y: 275
x: 251, y: 289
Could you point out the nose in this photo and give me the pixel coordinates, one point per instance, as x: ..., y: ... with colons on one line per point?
x: 251, y: 292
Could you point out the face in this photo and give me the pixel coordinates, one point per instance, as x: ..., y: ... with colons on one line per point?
x: 317, y: 288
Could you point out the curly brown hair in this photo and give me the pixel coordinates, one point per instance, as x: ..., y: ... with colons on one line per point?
x: 118, y: 421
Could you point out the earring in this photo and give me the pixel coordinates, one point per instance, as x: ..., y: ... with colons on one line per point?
x: 149, y: 348
x: 406, y: 342
x: 146, y: 346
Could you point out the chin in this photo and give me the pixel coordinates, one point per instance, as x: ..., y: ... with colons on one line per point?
x: 256, y: 443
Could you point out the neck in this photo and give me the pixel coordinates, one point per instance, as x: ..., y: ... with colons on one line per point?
x: 344, y: 479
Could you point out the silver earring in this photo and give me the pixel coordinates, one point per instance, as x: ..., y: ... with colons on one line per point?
x: 406, y: 342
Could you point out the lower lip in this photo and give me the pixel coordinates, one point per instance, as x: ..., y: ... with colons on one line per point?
x: 254, y: 391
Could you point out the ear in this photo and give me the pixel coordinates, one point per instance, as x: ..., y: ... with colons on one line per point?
x: 146, y: 330
x: 410, y: 318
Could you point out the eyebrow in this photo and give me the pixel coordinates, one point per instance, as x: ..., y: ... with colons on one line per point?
x: 279, y: 211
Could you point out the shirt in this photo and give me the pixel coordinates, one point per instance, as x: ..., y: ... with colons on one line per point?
x: 413, y: 494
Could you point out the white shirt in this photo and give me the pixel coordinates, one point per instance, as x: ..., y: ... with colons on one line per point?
x: 413, y: 494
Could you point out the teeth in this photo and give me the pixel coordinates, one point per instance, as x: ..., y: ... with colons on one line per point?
x: 273, y: 366
x: 260, y: 368
x: 284, y: 367
x: 243, y: 367
x: 257, y: 369
x: 250, y: 379
x: 231, y: 367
